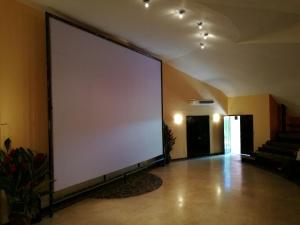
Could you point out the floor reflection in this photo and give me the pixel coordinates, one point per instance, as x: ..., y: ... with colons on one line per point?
x: 227, y: 181
x: 232, y: 172
x: 199, y: 191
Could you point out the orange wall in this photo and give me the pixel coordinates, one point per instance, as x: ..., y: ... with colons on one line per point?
x: 177, y: 90
x: 23, y: 92
x: 258, y: 106
x: 23, y: 86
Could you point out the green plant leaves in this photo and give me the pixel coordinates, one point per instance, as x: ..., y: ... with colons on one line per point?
x: 168, y: 141
x: 21, y: 173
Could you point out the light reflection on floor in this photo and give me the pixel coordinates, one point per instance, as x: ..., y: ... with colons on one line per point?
x: 209, y: 191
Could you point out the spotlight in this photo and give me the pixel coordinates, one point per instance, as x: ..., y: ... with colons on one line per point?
x: 200, y: 25
x: 202, y: 46
x: 147, y: 3
x: 181, y: 13
x: 205, y: 36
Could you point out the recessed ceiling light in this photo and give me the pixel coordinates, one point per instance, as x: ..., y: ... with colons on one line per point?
x: 147, y: 3
x: 181, y: 13
x: 200, y: 25
x: 205, y: 36
x: 202, y: 46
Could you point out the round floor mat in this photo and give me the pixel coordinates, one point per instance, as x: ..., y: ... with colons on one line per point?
x: 133, y: 185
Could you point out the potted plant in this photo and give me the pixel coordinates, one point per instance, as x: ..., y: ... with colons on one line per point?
x: 21, y: 173
x: 169, y: 141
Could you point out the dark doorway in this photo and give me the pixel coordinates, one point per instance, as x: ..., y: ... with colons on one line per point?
x: 247, y: 146
x: 198, y: 138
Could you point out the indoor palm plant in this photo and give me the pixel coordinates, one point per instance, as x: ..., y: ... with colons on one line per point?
x: 169, y: 141
x: 21, y: 173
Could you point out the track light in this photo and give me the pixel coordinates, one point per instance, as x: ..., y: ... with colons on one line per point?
x: 205, y: 36
x: 181, y: 13
x: 147, y: 3
x: 202, y: 46
x: 200, y: 25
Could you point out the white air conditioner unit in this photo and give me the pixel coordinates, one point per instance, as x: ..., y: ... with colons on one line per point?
x: 201, y: 102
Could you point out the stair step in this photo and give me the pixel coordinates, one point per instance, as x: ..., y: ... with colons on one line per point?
x: 281, y: 152
x: 289, y: 134
x: 293, y: 128
x: 272, y: 156
x: 280, y: 148
x: 284, y: 144
x: 293, y: 137
x: 293, y: 124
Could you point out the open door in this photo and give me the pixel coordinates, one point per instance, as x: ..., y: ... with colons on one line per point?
x: 198, y: 137
x: 246, y: 125
x: 238, y: 134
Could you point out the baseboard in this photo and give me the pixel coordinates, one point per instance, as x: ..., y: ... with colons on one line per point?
x: 179, y: 159
x: 218, y: 153
x: 209, y: 155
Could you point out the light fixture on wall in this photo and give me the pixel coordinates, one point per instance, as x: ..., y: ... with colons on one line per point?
x: 146, y: 3
x: 181, y: 13
x: 200, y: 25
x: 216, y: 117
x: 205, y: 36
x: 202, y: 46
x: 178, y: 118
x: 180, y: 201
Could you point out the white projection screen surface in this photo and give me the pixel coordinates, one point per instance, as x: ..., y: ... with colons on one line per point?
x: 107, y: 105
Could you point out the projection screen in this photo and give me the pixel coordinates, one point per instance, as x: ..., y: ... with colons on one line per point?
x: 106, y: 105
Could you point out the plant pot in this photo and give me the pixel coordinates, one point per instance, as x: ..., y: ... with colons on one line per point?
x: 19, y: 220
x: 168, y: 158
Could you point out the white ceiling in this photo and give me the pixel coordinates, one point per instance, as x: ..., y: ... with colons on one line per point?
x: 254, y: 47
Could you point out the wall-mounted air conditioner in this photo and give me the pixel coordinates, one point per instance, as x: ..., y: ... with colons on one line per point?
x: 201, y: 102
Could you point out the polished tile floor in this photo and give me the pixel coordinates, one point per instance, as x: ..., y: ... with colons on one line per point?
x: 210, y: 191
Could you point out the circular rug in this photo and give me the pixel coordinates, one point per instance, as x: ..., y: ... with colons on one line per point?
x: 133, y: 185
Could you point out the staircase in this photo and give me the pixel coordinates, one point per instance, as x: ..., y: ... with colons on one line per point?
x: 293, y: 124
x: 281, y: 154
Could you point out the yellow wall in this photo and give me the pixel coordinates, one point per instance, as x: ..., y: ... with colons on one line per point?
x: 258, y: 106
x: 177, y: 90
x: 23, y: 86
x: 23, y: 92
